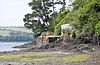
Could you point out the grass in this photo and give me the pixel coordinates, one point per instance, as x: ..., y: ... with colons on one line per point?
x: 43, y: 57
x: 76, y: 58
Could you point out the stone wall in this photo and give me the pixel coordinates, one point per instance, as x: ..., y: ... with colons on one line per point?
x: 42, y: 39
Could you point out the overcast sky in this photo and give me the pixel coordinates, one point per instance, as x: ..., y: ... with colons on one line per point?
x: 13, y: 11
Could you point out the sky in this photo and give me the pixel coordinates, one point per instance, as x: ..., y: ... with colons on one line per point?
x: 12, y: 12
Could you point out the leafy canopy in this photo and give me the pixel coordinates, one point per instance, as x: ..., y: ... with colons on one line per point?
x: 43, y: 12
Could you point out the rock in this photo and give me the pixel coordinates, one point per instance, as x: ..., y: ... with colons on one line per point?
x: 9, y: 64
x: 85, y: 48
x: 27, y: 45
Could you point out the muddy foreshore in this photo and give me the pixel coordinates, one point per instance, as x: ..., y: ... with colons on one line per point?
x: 74, y: 48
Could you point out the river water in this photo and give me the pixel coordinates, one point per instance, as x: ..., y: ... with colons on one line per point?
x: 7, y: 46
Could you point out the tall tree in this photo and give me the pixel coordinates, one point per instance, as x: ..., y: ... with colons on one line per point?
x: 39, y: 19
x: 43, y: 13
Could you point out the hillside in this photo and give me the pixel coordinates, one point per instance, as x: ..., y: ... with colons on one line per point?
x: 15, y: 34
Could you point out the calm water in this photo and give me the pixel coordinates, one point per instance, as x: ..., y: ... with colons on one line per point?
x: 7, y: 46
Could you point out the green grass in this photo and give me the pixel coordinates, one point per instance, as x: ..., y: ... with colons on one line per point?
x: 43, y: 57
x: 76, y: 58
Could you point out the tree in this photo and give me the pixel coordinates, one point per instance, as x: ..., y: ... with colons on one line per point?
x: 97, y: 28
x: 84, y: 17
x: 39, y: 19
x: 59, y: 21
x: 43, y: 13
x: 88, y: 16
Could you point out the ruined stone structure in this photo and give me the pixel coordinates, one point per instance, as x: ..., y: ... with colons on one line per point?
x: 65, y: 28
x: 46, y: 37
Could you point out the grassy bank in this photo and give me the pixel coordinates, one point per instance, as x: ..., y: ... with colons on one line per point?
x: 44, y: 57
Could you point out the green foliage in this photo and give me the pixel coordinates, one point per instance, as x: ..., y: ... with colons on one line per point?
x: 59, y: 21
x: 89, y: 17
x: 43, y: 13
x: 39, y: 19
x: 97, y: 28
x: 9, y: 34
x: 84, y: 17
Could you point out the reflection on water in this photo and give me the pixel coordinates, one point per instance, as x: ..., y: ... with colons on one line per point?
x: 7, y: 46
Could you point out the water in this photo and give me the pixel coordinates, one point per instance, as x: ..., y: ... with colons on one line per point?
x: 7, y: 46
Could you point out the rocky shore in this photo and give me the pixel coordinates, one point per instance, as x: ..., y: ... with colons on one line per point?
x: 94, y: 60
x: 27, y: 45
x: 61, y: 47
